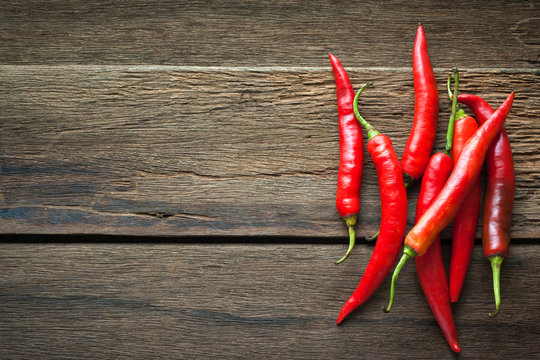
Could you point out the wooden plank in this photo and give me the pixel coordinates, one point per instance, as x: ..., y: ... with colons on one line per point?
x: 163, y: 151
x: 72, y: 300
x: 483, y: 34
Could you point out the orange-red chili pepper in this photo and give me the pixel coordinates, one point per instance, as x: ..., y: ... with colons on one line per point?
x: 466, y: 220
x: 447, y: 203
x: 393, y: 216
x: 426, y: 111
x: 351, y: 153
x: 498, y: 197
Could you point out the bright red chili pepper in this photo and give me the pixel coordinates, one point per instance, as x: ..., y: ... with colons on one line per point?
x: 426, y: 111
x: 351, y: 153
x: 393, y: 217
x: 466, y: 220
x: 430, y: 266
x: 498, y: 197
x: 461, y: 180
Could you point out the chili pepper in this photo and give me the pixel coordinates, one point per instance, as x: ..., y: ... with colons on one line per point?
x: 466, y: 220
x: 426, y: 109
x: 461, y: 180
x: 498, y: 197
x: 430, y: 266
x: 351, y: 153
x: 393, y: 216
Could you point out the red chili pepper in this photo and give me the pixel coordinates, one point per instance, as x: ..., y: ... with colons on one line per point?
x: 498, y: 197
x: 393, y: 217
x: 430, y: 266
x: 426, y: 110
x: 460, y: 182
x: 466, y: 220
x: 351, y: 153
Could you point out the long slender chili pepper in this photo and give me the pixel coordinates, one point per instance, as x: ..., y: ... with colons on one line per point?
x: 430, y: 266
x: 498, y: 197
x: 466, y: 220
x: 393, y: 217
x: 445, y: 206
x: 351, y: 153
x: 426, y: 110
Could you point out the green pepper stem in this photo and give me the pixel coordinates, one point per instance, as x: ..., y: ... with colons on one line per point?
x: 496, y: 262
x: 374, y: 236
x: 455, y: 109
x: 371, y: 132
x: 408, y: 253
x: 350, y: 221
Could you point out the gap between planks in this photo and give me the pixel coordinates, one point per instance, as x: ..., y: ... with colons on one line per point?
x: 190, y: 68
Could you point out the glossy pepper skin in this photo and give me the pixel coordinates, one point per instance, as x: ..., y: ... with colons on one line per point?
x: 461, y: 180
x: 466, y: 220
x: 499, y: 193
x: 351, y: 153
x: 426, y: 110
x: 445, y: 206
x: 393, y: 217
x: 430, y: 267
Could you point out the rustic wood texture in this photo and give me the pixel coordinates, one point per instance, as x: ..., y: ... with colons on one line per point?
x: 268, y: 33
x: 170, y: 152
x: 245, y: 301
x: 193, y: 119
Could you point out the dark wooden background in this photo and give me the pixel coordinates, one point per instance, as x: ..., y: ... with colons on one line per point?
x: 168, y: 173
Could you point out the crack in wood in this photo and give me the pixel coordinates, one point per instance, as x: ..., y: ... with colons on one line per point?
x: 141, y: 174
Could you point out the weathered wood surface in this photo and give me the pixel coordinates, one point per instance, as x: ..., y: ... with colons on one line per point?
x: 501, y: 34
x: 166, y: 151
x: 245, y: 301
x: 169, y: 118
x: 227, y: 124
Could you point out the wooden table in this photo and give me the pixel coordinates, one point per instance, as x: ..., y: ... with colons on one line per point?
x: 168, y: 174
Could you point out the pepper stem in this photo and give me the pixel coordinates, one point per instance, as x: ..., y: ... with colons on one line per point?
x: 455, y: 109
x: 408, y: 253
x: 350, y: 221
x: 374, y: 236
x: 496, y: 262
x: 371, y: 132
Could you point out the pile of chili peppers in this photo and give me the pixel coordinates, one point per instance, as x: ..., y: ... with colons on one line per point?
x: 450, y: 189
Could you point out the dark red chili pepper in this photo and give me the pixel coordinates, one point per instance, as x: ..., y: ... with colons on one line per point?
x: 498, y: 197
x: 466, y: 220
x: 461, y: 180
x: 393, y: 217
x: 430, y: 266
x: 426, y: 110
x: 351, y: 153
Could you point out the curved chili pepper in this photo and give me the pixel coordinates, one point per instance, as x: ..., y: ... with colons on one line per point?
x: 351, y: 153
x: 430, y: 267
x: 426, y: 110
x: 461, y: 180
x: 393, y: 217
x: 498, y: 197
x: 466, y: 220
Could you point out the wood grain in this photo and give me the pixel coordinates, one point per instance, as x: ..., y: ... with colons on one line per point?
x: 483, y: 34
x: 163, y: 151
x: 245, y: 301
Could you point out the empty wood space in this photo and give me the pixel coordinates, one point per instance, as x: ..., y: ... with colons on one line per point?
x: 168, y: 174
